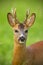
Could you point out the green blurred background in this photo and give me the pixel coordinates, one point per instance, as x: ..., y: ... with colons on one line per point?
x: 6, y: 34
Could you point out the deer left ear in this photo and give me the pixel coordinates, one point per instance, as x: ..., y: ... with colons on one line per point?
x: 29, y: 22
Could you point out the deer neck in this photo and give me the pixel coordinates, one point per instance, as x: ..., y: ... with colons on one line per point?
x: 19, y: 53
x: 19, y: 47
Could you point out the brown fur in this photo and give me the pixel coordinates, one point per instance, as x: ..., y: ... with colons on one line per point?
x: 21, y: 26
x: 32, y: 55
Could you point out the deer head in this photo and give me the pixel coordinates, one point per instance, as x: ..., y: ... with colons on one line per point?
x: 20, y: 29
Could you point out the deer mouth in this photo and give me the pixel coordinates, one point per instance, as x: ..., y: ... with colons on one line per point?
x: 21, y: 40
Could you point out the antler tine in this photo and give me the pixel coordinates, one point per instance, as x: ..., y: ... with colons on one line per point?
x: 14, y: 13
x: 27, y: 13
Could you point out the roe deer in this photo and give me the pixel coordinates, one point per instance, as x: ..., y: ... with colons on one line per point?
x: 32, y: 55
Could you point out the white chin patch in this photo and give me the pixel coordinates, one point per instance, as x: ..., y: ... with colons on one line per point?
x: 21, y: 42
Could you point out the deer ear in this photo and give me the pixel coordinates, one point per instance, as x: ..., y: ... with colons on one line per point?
x: 10, y: 19
x: 31, y: 20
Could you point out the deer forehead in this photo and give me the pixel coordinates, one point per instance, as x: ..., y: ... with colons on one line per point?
x: 20, y: 26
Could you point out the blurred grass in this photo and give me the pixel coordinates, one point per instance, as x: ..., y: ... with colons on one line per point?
x: 6, y: 34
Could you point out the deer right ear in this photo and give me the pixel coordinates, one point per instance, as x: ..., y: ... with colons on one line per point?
x: 29, y: 21
x: 10, y: 19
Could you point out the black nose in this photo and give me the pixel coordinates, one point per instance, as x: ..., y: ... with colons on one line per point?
x: 22, y: 38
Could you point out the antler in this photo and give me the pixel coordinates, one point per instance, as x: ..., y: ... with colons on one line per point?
x: 14, y: 14
x: 27, y: 14
x: 29, y: 21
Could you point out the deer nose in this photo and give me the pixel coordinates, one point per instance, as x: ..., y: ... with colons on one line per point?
x: 22, y: 38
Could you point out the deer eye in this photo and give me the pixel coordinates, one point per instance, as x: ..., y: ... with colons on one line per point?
x: 26, y: 31
x: 16, y: 31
